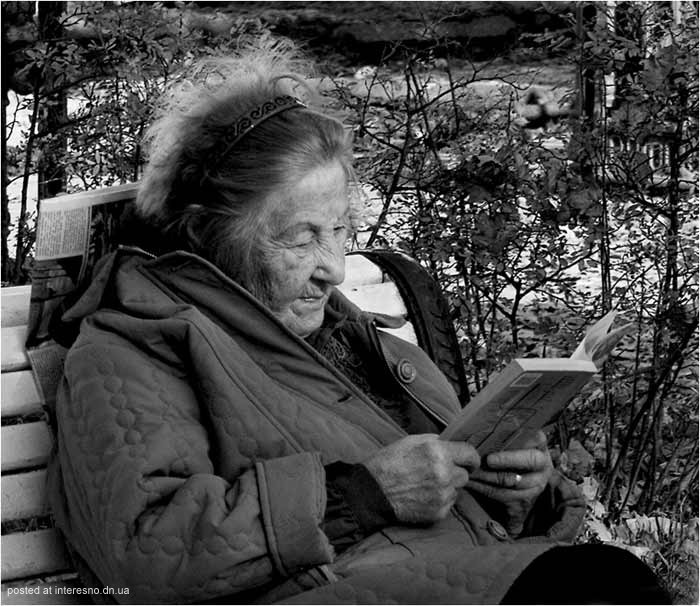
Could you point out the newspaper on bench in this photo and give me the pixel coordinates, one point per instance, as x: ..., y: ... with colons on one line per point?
x: 73, y: 232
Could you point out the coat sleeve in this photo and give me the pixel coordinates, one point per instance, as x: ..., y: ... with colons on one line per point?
x: 145, y: 508
x: 558, y: 513
x: 356, y: 505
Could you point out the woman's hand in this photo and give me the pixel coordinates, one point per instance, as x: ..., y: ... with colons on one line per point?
x: 515, y: 478
x: 420, y: 475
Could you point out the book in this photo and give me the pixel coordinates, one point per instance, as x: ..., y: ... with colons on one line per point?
x: 530, y: 393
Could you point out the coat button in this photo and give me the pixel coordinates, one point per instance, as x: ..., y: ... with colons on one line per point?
x: 406, y: 370
x: 497, y: 530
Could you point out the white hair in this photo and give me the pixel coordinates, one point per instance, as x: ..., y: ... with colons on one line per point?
x: 213, y: 205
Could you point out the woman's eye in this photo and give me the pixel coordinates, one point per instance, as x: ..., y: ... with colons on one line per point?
x: 302, y: 239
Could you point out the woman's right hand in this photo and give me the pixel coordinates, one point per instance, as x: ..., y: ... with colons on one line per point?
x: 420, y: 475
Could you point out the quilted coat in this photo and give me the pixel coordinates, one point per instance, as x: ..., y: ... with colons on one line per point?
x: 192, y: 433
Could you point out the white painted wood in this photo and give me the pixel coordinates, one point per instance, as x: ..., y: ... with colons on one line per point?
x: 381, y: 298
x: 13, y: 355
x: 25, y: 445
x: 360, y: 271
x: 14, y: 305
x: 19, y: 394
x: 24, y: 495
x: 32, y: 553
x: 115, y: 193
x: 406, y: 333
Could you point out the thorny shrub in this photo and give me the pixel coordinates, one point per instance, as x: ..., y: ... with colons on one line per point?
x: 533, y: 237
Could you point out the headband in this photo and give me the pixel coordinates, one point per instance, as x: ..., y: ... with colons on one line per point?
x: 247, y: 123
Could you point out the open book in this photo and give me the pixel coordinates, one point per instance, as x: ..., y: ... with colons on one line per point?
x: 530, y: 393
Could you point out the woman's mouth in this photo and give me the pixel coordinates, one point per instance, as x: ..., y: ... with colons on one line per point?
x: 314, y: 296
x: 316, y: 300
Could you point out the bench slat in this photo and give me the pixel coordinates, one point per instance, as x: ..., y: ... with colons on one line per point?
x: 15, y: 299
x: 382, y: 298
x: 13, y: 355
x: 14, y: 302
x: 406, y: 333
x: 27, y: 554
x: 19, y: 393
x: 360, y: 271
x: 25, y: 445
x: 24, y: 495
x: 113, y: 193
x: 361, y: 274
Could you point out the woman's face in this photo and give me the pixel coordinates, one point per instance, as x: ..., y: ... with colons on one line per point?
x: 304, y: 254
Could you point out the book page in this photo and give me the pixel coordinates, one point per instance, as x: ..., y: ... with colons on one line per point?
x: 531, y: 392
x: 520, y: 400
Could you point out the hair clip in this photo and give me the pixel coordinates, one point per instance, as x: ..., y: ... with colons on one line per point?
x: 256, y: 116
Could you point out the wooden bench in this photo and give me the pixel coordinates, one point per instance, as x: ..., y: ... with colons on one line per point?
x: 34, y: 557
x: 32, y: 551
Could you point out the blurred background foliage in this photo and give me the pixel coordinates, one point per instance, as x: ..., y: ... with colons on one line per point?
x: 540, y: 161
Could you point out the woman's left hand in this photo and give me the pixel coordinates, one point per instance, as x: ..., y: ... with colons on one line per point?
x: 515, y: 478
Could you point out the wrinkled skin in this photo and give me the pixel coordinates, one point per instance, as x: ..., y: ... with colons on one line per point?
x: 515, y: 479
x: 420, y: 475
x: 303, y: 256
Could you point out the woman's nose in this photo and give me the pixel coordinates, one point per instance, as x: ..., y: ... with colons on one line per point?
x: 331, y: 265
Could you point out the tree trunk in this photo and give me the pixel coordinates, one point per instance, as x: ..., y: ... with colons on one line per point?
x: 5, y: 200
x: 7, y: 68
x: 51, y: 171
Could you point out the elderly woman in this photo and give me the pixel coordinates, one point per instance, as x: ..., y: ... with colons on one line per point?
x: 231, y: 427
